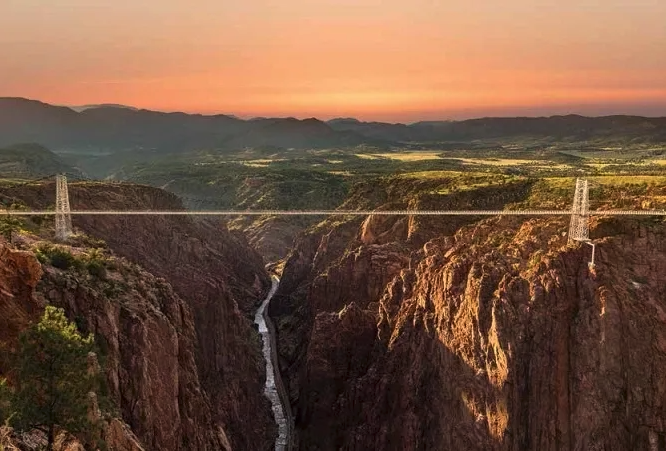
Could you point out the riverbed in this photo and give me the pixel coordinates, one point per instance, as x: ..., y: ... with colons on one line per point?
x: 270, y: 389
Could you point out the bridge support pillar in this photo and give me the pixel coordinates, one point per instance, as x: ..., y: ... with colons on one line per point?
x: 63, y: 219
x: 580, y: 213
x: 579, y: 229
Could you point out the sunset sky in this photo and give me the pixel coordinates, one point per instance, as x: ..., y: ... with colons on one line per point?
x: 375, y: 60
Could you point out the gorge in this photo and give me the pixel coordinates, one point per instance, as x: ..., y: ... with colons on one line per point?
x: 476, y: 334
x: 390, y: 332
x: 172, y: 316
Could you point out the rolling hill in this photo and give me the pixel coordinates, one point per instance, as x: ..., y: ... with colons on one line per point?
x: 571, y: 127
x: 31, y: 161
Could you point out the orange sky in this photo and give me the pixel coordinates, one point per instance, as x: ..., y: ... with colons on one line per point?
x: 372, y: 59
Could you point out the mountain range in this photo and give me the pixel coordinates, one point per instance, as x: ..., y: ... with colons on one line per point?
x: 112, y: 128
x: 118, y: 128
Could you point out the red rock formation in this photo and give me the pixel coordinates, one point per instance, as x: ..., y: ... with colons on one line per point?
x: 21, y: 306
x: 116, y: 434
x: 19, y: 274
x: 221, y: 279
x: 207, y: 371
x: 497, y: 338
x: 146, y: 335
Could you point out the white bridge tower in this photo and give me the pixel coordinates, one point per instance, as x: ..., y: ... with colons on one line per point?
x: 579, y: 230
x: 63, y: 219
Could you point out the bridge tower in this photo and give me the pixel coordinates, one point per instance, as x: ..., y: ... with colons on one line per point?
x: 579, y: 229
x: 63, y: 219
x: 580, y: 213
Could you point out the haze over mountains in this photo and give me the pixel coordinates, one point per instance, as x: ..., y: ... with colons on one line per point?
x: 112, y: 129
x: 117, y: 127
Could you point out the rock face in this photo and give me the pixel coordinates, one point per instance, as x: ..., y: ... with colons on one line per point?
x: 272, y: 236
x: 20, y: 305
x: 19, y: 274
x: 222, y: 280
x: 490, y: 335
x: 116, y: 434
x: 183, y: 360
x: 146, y: 336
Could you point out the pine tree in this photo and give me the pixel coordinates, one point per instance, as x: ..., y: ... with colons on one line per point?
x: 8, y: 226
x: 52, y: 376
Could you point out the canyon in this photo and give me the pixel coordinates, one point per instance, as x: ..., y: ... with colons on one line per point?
x: 173, y: 320
x: 491, y: 334
x: 391, y: 332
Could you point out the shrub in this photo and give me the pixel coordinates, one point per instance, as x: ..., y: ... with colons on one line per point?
x: 9, y: 226
x: 89, y: 241
x: 535, y: 259
x: 62, y: 259
x: 96, y: 263
x: 57, y: 256
x: 96, y: 268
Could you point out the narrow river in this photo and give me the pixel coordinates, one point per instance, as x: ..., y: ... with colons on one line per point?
x: 270, y: 390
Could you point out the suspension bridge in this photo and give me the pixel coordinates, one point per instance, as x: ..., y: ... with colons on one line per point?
x: 578, y: 230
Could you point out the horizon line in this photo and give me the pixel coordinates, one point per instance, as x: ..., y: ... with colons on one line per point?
x: 249, y: 117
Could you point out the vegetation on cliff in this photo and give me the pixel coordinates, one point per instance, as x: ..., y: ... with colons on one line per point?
x: 9, y: 226
x: 182, y: 362
x: 54, y: 380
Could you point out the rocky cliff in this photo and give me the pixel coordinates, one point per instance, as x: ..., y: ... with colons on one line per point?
x: 183, y: 362
x: 21, y: 303
x: 479, y: 334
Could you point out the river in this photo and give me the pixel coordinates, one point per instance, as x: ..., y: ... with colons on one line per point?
x: 271, y: 390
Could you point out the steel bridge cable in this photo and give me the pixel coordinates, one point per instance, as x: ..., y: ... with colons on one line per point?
x: 337, y: 212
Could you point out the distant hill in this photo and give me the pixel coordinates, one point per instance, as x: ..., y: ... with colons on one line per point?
x: 290, y: 132
x: 376, y: 130
x: 31, y: 161
x: 571, y: 127
x: 114, y: 129
x: 343, y: 120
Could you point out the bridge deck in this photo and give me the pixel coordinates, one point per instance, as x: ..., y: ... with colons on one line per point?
x: 336, y: 213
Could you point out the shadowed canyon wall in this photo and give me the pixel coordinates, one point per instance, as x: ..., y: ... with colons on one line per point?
x: 405, y: 333
x: 183, y: 361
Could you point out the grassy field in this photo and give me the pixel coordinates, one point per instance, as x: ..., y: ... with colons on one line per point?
x: 322, y: 178
x: 543, y: 177
x: 281, y: 178
x: 402, y: 156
